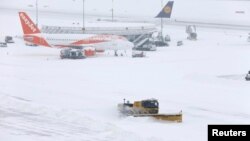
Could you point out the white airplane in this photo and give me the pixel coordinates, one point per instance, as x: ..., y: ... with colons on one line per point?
x: 33, y: 35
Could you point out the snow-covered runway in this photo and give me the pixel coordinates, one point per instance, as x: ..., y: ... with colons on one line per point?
x: 45, y: 98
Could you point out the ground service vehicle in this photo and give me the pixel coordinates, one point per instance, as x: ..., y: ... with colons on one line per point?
x: 3, y: 44
x: 71, y: 54
x: 9, y: 39
x: 248, y: 76
x: 138, y: 54
x: 147, y: 108
x: 191, y: 31
x: 179, y: 43
x: 160, y: 41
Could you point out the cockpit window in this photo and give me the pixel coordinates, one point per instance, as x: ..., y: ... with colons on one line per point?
x: 150, y: 104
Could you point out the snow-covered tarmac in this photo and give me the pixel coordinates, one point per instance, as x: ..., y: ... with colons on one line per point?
x: 45, y: 98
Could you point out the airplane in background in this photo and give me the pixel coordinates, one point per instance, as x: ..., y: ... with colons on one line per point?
x: 100, y: 43
x: 166, y: 12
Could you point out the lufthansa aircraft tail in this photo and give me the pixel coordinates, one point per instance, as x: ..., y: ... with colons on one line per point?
x: 166, y: 11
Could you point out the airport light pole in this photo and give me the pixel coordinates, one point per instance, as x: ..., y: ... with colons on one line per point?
x: 37, y: 13
x: 112, y: 10
x: 83, y: 15
x: 162, y: 20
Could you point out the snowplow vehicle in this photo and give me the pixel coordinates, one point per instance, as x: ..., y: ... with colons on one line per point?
x: 147, y: 108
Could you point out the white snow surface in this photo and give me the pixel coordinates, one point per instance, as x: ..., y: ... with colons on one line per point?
x: 45, y: 98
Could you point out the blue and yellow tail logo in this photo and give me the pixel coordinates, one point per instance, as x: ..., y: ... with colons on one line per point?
x: 166, y: 11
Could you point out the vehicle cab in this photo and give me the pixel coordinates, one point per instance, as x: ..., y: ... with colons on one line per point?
x: 3, y: 44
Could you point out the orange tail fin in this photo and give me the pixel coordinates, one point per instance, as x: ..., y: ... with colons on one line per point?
x: 27, y: 24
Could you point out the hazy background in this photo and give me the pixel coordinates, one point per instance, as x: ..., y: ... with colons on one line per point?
x: 184, y: 9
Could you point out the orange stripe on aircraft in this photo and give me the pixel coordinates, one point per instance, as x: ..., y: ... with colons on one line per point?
x: 88, y: 41
x: 36, y: 40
